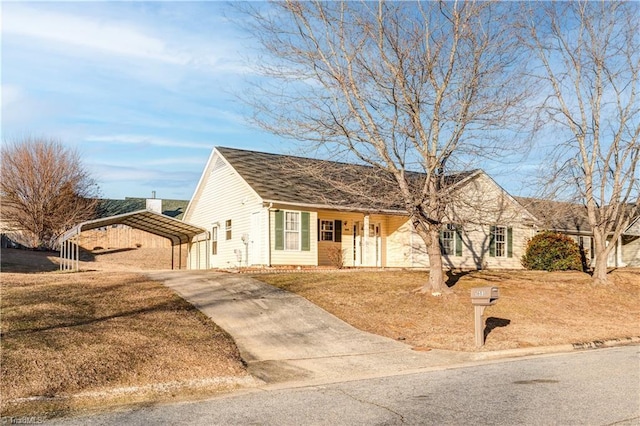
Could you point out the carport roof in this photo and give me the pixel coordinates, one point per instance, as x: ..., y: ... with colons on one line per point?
x: 146, y: 220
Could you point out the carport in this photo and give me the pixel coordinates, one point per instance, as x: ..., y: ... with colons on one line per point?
x: 177, y: 231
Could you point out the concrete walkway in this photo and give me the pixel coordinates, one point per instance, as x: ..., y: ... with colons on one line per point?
x: 284, y: 338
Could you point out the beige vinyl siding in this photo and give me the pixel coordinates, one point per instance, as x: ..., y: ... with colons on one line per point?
x: 224, y: 196
x: 399, y: 243
x: 294, y: 257
x: 346, y: 245
x: 631, y: 251
x: 475, y: 250
x: 477, y: 206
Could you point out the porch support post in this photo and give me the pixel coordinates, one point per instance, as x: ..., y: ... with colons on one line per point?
x: 619, y: 262
x: 77, y: 239
x: 62, y: 256
x: 365, y: 241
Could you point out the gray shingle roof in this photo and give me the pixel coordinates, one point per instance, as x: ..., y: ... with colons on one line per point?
x: 557, y: 215
x: 109, y: 207
x: 306, y: 181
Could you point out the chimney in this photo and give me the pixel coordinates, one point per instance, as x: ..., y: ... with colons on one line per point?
x: 154, y: 204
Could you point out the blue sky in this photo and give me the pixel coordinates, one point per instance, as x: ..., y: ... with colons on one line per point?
x: 144, y: 90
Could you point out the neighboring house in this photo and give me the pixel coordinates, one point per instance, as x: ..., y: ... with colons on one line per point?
x: 123, y: 236
x: 273, y: 210
x: 571, y: 219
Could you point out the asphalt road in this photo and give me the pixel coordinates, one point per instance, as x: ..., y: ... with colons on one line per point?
x: 596, y: 387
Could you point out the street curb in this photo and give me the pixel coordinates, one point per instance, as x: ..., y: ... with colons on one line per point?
x: 569, y: 347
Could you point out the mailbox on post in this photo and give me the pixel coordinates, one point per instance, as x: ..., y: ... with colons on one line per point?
x: 481, y: 297
x: 484, y: 296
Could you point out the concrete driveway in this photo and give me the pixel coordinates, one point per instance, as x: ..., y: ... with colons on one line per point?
x: 283, y: 337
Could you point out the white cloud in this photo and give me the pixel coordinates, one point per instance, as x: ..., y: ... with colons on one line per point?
x: 157, y: 41
x: 91, y: 33
x: 148, y: 140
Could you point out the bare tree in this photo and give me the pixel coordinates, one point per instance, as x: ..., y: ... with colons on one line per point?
x: 589, y: 56
x: 45, y: 189
x: 403, y: 87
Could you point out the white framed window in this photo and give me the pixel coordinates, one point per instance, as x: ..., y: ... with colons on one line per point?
x: 292, y: 231
x: 227, y: 228
x: 500, y: 238
x: 327, y: 230
x: 214, y: 240
x: 448, y: 240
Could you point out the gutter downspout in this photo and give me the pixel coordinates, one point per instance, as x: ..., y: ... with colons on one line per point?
x: 269, y: 234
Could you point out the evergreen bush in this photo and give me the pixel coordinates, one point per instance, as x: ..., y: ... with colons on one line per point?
x: 551, y: 251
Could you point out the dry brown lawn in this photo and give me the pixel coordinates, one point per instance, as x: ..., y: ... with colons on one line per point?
x: 75, y: 342
x: 99, y: 339
x: 534, y: 309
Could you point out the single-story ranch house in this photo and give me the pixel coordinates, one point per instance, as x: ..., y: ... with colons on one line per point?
x: 254, y: 209
x: 260, y: 213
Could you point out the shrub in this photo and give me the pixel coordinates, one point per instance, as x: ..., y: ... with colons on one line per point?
x: 550, y: 251
x: 336, y: 256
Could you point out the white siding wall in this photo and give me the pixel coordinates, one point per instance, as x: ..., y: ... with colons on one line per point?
x: 295, y: 257
x: 631, y: 252
x: 223, y: 196
x: 399, y: 243
x: 477, y: 206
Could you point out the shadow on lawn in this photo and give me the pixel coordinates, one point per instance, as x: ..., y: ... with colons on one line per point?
x: 28, y: 261
x: 82, y: 320
x: 91, y: 255
x: 454, y: 276
x: 492, y: 322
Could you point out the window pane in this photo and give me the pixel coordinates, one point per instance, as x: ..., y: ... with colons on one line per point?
x: 292, y: 231
x: 448, y: 241
x: 292, y: 221
x: 500, y: 239
x: 292, y: 241
x: 326, y: 230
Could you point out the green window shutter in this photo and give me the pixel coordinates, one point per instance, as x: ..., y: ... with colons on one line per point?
x: 509, y: 242
x: 458, y: 237
x: 337, y: 228
x: 492, y: 242
x: 279, y: 237
x: 440, y: 238
x: 318, y: 229
x: 305, y: 230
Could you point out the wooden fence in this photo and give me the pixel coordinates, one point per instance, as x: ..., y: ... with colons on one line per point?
x: 121, y: 236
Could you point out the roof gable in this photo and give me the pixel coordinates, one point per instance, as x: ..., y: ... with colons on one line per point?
x: 634, y: 227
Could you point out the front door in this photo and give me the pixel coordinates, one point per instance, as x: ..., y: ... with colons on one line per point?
x: 367, y: 244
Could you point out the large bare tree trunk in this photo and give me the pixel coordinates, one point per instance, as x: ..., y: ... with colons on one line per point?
x: 437, y: 284
x: 600, y: 269
x: 601, y: 258
x: 589, y: 57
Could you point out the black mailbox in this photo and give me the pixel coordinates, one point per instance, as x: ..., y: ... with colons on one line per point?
x: 484, y: 296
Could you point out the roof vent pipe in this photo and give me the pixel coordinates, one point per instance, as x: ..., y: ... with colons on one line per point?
x: 153, y: 194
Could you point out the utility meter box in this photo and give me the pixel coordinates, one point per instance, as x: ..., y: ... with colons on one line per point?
x: 484, y: 296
